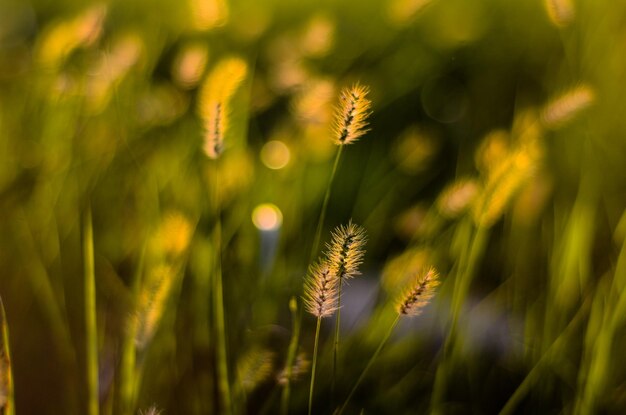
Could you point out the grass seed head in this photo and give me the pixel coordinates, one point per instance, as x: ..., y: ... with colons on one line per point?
x: 320, y: 290
x: 418, y: 295
x: 214, y: 101
x: 346, y: 250
x: 351, y: 114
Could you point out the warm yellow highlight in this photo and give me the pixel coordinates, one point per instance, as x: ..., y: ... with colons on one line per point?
x: 267, y: 217
x: 214, y: 101
x: 61, y: 39
x: 208, y: 14
x: 560, y: 12
x: 190, y: 64
x: 275, y: 154
x: 564, y: 108
x: 457, y: 197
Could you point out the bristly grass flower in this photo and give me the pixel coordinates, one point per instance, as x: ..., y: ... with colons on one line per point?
x: 410, y: 304
x: 320, y: 299
x: 351, y: 114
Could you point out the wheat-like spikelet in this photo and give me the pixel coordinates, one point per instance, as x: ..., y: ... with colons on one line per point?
x: 560, y: 12
x: 214, y: 101
x: 151, y: 411
x: 320, y: 290
x: 152, y: 303
x: 351, y: 114
x: 418, y: 295
x: 173, y: 235
x: 345, y: 251
x: 567, y: 106
x: 457, y: 197
x: 254, y: 368
x: 299, y: 368
x: 61, y: 39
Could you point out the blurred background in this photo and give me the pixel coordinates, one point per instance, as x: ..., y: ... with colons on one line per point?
x: 496, y: 153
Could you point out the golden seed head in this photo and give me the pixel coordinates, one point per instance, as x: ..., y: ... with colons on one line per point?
x: 351, y: 114
x: 299, y: 368
x: 254, y: 368
x: 345, y: 251
x: 562, y: 109
x: 457, y: 197
x: 418, y: 295
x: 214, y: 101
x: 560, y: 12
x: 152, y: 302
x: 151, y: 411
x: 320, y: 290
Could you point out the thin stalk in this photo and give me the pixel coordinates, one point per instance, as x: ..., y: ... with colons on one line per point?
x: 369, y: 364
x: 5, y: 364
x: 128, y: 370
x: 467, y: 268
x: 555, y: 349
x: 314, y: 364
x: 218, y: 303
x: 320, y: 222
x: 336, y: 345
x: 296, y: 315
x: 91, y: 338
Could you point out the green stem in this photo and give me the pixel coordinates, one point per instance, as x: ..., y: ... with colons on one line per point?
x: 5, y: 354
x: 314, y: 365
x: 467, y: 269
x: 369, y: 364
x: 554, y: 350
x: 320, y: 222
x: 128, y: 370
x: 336, y: 345
x: 91, y: 337
x: 296, y: 315
x: 218, y: 302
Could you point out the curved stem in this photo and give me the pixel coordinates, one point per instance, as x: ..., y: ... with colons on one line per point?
x: 296, y: 315
x: 314, y: 364
x: 218, y: 303
x: 369, y: 364
x: 336, y: 345
x: 320, y: 222
x: 91, y: 337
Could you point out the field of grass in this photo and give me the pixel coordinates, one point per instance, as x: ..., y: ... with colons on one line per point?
x: 273, y: 206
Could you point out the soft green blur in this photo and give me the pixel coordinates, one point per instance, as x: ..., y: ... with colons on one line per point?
x: 473, y: 164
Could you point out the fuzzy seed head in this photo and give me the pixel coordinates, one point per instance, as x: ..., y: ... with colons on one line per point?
x: 564, y: 108
x: 418, y: 295
x: 214, y: 102
x: 320, y: 290
x: 345, y: 251
x: 351, y: 114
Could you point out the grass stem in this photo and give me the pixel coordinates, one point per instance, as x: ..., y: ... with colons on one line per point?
x: 314, y: 364
x: 91, y: 337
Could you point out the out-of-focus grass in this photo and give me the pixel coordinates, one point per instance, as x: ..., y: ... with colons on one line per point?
x: 496, y: 153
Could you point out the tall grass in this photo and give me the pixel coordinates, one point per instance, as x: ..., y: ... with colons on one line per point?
x: 170, y: 173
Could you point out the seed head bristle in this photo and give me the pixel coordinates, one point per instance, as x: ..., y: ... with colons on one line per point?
x: 320, y: 290
x: 560, y: 12
x: 418, y: 295
x: 254, y: 368
x: 562, y: 109
x: 345, y: 251
x: 214, y: 102
x: 351, y: 114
